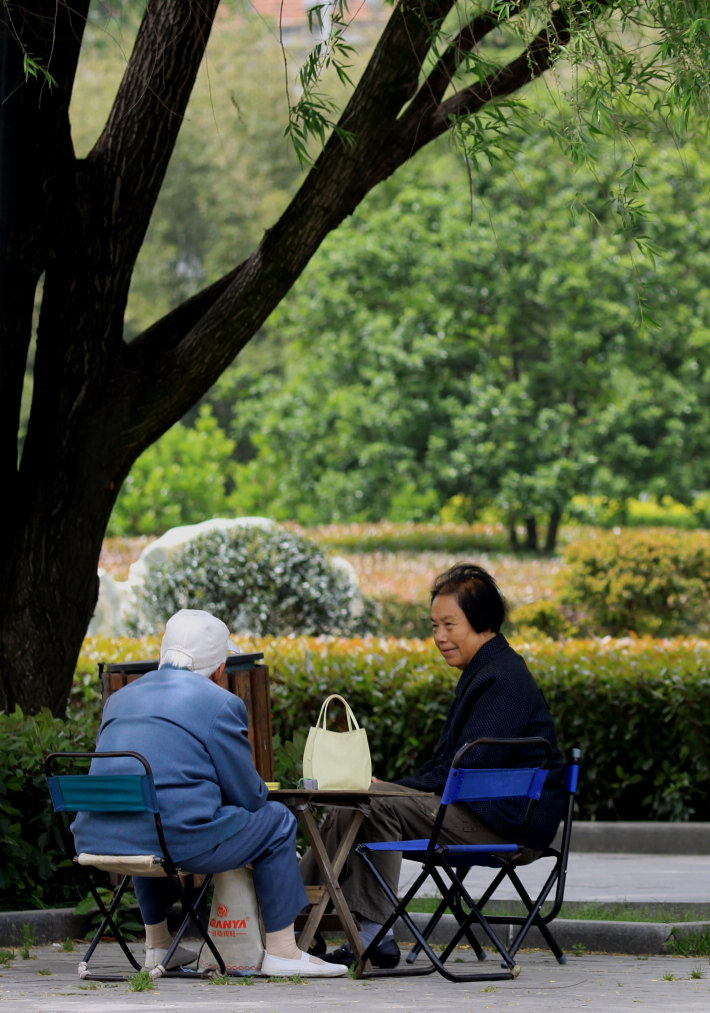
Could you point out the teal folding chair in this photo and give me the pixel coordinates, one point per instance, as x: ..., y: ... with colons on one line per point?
x: 122, y: 793
x: 447, y: 864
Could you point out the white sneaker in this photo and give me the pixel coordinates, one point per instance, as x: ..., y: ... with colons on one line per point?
x: 181, y: 957
x: 305, y: 966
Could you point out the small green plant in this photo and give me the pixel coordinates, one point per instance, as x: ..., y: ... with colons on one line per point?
x: 579, y: 949
x: 141, y: 982
x: 67, y: 946
x: 229, y: 979
x: 691, y: 944
x: 5, y: 957
x: 489, y: 988
x: 697, y: 972
x: 27, y: 941
x: 44, y: 970
x: 669, y: 976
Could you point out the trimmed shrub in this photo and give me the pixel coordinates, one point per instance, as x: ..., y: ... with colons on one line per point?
x: 264, y: 580
x: 654, y: 582
x: 545, y: 616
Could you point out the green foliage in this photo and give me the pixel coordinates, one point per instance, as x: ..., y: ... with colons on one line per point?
x: 181, y: 479
x: 35, y: 871
x: 652, y: 582
x: 264, y: 580
x: 315, y: 114
x: 461, y: 366
x: 544, y: 616
x: 125, y: 916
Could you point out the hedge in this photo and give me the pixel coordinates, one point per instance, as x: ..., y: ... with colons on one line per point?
x: 638, y: 708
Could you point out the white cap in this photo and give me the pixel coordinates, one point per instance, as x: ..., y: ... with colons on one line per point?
x: 201, y: 638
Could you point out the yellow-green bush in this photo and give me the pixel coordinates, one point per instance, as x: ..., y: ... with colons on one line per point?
x: 654, y: 582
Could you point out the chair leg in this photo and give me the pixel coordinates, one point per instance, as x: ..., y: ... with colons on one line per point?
x: 437, y: 963
x: 191, y: 916
x: 449, y: 901
x: 533, y: 916
x: 106, y: 923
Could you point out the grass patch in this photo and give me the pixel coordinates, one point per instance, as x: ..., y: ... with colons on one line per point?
x: 691, y: 944
x: 585, y: 912
x: 141, y: 982
x: 230, y: 979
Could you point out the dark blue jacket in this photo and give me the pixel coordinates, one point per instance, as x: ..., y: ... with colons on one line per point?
x: 497, y: 697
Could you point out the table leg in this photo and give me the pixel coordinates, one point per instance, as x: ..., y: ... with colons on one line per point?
x: 330, y: 870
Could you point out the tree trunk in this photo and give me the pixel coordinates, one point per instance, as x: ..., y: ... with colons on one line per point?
x: 531, y: 541
x: 553, y: 528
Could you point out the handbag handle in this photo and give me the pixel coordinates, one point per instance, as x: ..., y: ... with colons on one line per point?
x: 352, y: 722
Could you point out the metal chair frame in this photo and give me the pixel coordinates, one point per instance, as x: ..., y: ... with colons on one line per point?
x: 73, y: 793
x: 447, y: 864
x: 508, y: 871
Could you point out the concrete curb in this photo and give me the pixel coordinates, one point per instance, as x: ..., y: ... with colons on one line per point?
x: 631, y: 938
x: 642, y: 838
x: 47, y: 926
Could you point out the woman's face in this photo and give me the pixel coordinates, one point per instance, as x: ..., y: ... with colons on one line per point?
x: 453, y: 634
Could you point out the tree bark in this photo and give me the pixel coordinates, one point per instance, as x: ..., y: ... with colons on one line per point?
x: 553, y: 527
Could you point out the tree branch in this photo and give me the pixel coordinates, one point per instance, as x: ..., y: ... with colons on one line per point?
x: 130, y: 156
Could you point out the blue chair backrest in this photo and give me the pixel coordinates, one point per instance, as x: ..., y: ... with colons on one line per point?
x: 476, y: 784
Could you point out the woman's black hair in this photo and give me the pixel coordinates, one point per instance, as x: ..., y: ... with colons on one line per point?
x: 477, y: 593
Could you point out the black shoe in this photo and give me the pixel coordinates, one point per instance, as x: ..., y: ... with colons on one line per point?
x: 385, y: 955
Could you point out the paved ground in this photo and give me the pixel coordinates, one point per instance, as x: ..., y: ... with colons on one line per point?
x: 48, y: 983
x: 612, y: 966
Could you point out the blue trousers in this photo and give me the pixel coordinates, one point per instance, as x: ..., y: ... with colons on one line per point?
x: 268, y: 844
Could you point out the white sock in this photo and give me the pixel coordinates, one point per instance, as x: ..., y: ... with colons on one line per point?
x: 368, y: 931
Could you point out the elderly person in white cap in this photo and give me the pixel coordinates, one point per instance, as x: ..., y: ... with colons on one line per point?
x: 213, y: 802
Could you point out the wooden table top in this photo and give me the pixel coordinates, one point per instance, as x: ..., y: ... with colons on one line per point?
x: 330, y: 796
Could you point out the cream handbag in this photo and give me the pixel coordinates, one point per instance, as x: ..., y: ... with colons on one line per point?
x: 337, y: 759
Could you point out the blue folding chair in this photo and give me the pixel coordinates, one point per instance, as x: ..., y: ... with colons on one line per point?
x: 447, y: 864
x: 508, y: 872
x: 122, y: 793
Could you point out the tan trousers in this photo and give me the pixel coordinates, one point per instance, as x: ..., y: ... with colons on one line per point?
x: 393, y: 819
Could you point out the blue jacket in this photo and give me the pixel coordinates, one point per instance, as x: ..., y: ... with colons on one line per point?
x: 194, y: 735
